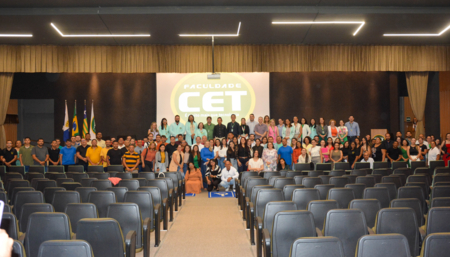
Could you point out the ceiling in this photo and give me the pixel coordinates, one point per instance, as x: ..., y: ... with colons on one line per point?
x: 166, y: 19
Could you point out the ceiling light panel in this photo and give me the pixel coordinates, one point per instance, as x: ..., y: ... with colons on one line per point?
x: 360, y: 23
x: 214, y: 35
x: 97, y: 35
x: 418, y: 35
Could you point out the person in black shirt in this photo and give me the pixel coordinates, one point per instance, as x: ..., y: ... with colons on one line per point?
x: 233, y: 126
x: 258, y: 147
x: 115, y: 155
x: 394, y: 154
x: 53, y: 153
x: 345, y: 150
x: 170, y: 148
x: 388, y: 142
x: 220, y: 131
x: 8, y: 155
x: 243, y: 155
x: 212, y: 175
x: 81, y: 154
x: 353, y: 154
x: 378, y: 151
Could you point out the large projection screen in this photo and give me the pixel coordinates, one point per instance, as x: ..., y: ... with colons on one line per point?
x: 234, y: 93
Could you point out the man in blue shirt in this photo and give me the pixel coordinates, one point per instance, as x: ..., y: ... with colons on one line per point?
x: 177, y: 128
x: 285, y: 152
x: 67, y: 155
x: 352, y: 128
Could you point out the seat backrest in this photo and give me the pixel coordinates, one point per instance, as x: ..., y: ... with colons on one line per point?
x: 302, y: 166
x: 129, y: 217
x: 42, y: 184
x: 317, y: 246
x: 19, y: 189
x: 368, y: 181
x: 255, y: 190
x: 272, y: 208
x: 32, y: 175
x: 369, y: 207
x: 347, y: 225
x: 320, y: 209
x: 358, y: 189
x: 155, y: 192
x: 84, y: 193
x: 162, y: 185
x: 325, y: 179
x: 440, y: 191
x: 62, y: 198
x: 24, y: 197
x: 412, y: 203
x: 422, y: 170
x: 310, y: 182
x: 16, y: 183
x: 251, y: 182
x: 406, y: 171
x: 102, y: 175
x: 56, y: 168
x: 272, y: 179
x: 291, y: 174
x: 106, y: 239
x: 351, y: 178
x: 287, y: 227
x: 268, y: 174
x: 60, y: 181
x: 418, y: 178
x: 173, y: 176
x: 264, y: 196
x: 245, y: 175
x: 382, y: 171
x: 303, y: 196
x: 49, y: 191
x: 405, y: 221
x: 123, y: 175
x: 147, y: 175
x: 75, y: 168
x: 144, y: 200
x: 436, y: 245
x: 440, y: 202
x: 66, y: 248
x: 379, y: 193
x: 10, y: 225
x: 3, y: 197
x: 131, y: 184
x: 441, y: 170
x: 412, y: 192
x: 281, y: 182
x: 342, y: 166
x: 289, y: 189
x: 322, y: 166
x: 423, y: 185
x: 95, y: 168
x: 339, y: 181
x: 44, y: 226
x: 441, y: 178
x: 119, y: 192
x: 437, y: 220
x: 78, y: 176
x: 71, y: 185
x: 337, y: 173
x: 116, y: 168
x: 359, y: 173
x: 383, y: 245
x: 101, y: 184
x: 392, y: 189
x: 315, y: 173
x: 298, y: 179
x: 102, y: 199
x: 30, y: 208
x: 342, y: 195
x: 392, y: 179
x: 78, y: 211
x: 323, y: 190
x: 86, y: 182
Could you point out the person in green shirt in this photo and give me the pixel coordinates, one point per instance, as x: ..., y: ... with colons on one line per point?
x: 26, y: 158
x: 209, y: 127
x: 177, y: 128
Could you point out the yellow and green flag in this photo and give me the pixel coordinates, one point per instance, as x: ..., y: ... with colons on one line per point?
x: 75, y: 122
x: 85, y: 123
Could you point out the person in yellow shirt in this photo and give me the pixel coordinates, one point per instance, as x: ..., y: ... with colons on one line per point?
x: 104, y: 154
x: 93, y: 154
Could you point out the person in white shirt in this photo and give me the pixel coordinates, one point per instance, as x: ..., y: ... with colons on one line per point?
x: 198, y: 142
x: 121, y: 144
x: 304, y: 157
x: 229, y: 175
x: 220, y: 153
x: 367, y: 159
x: 314, y: 152
x: 256, y: 163
x: 251, y: 124
x: 434, y: 153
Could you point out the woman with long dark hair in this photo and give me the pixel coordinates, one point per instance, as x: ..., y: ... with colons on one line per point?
x: 187, y: 158
x: 288, y: 131
x: 282, y: 165
x: 164, y: 129
x: 220, y: 153
x: 195, y: 157
x: 312, y: 128
x: 243, y: 155
x: 193, y: 180
x: 232, y: 154
x: 445, y: 149
x: 191, y: 128
x: 322, y: 130
x: 213, y: 173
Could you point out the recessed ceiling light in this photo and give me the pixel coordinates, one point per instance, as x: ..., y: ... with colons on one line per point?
x: 418, y: 35
x: 16, y: 35
x: 213, y: 35
x: 322, y: 22
x: 98, y: 35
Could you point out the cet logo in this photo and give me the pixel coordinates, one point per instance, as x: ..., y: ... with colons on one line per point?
x: 195, y: 94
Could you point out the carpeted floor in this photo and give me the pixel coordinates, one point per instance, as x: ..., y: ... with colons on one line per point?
x: 205, y: 227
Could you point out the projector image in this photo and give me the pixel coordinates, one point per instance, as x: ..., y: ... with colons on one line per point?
x: 214, y: 76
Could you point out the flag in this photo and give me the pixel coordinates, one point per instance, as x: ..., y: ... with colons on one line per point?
x: 66, y: 126
x: 85, y: 123
x: 75, y: 122
x: 92, y: 127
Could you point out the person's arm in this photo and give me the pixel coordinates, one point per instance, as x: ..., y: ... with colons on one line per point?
x: 321, y: 155
x: 409, y: 156
x: 124, y: 163
x: 357, y: 129
x: 136, y: 165
x: 107, y: 159
x: 383, y: 151
x: 340, y: 159
x: 89, y: 158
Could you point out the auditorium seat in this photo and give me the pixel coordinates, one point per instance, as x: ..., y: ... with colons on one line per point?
x: 131, y: 184
x: 66, y: 248
x: 60, y: 181
x: 298, y: 179
x: 392, y: 189
x: 86, y: 182
x: 322, y: 166
x: 440, y: 191
x: 358, y: 189
x: 351, y: 178
x: 320, y: 209
x: 301, y: 197
x: 325, y: 179
x: 78, y: 211
x: 71, y: 186
x: 240, y: 182
x: 441, y: 170
x: 405, y: 223
x: 4, y: 197
x: 42, y: 184
x: 289, y: 189
x: 36, y: 169
x: 423, y: 170
x: 368, y: 181
x: 176, y: 185
x: 402, y: 177
x: 404, y: 170
x: 24, y: 197
x: 145, y: 202
x: 292, y: 174
x: 437, y: 220
x: 162, y: 212
x: 18, y: 250
x: 55, y: 175
x: 379, y: 193
x: 399, y: 164
x: 119, y: 192
x: 101, y: 184
x: 369, y: 207
x: 272, y: 179
x: 302, y: 166
x: 377, y: 177
x: 323, y: 190
x: 317, y: 246
x: 436, y: 245
x: 413, y: 192
x: 252, y: 199
x: 11, y: 225
x: 102, y: 199
x: 142, y: 181
x: 56, y: 168
x: 95, y: 168
x: 246, y: 190
x: 115, y: 168
x: 147, y: 175
x: 342, y: 195
x: 101, y: 176
x: 310, y: 182
x: 337, y: 172
x: 268, y: 174
x: 75, y: 168
x: 16, y: 183
x: 383, y: 172
x: 84, y: 193
x: 107, y: 239
x: 394, y: 245
x: 172, y: 194
x: 32, y: 175
x: 412, y: 203
x: 424, y: 186
x: 392, y: 179
x: 440, y: 202
x: 19, y: 189
x: 347, y: 225
x: 123, y: 175
x: 44, y: 226
x: 339, y: 181
x: 129, y: 216
x: 17, y: 169
x: 315, y: 173
x: 164, y: 189
x: 62, y: 198
x: 342, y: 166
x: 11, y: 175
x: 287, y: 227
x: 30, y: 208
x: 6, y: 208
x: 359, y: 173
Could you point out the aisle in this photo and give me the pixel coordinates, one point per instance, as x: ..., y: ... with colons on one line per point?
x: 206, y: 227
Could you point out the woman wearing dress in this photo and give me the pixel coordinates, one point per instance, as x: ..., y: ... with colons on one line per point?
x: 273, y: 130
x: 187, y: 158
x: 232, y: 155
x: 296, y: 153
x: 312, y: 128
x: 201, y: 131
x: 177, y: 159
x: 243, y: 155
x: 405, y: 151
x: 164, y: 130
x: 191, y: 127
x: 306, y: 130
x: 345, y: 151
x: 270, y: 157
x: 220, y: 153
x: 244, y: 128
x: 314, y: 152
x: 256, y: 163
x: 297, y: 128
x: 336, y: 154
x: 304, y: 157
x: 445, y: 148
x: 153, y: 130
x: 342, y: 131
x: 414, y: 152
x: 162, y: 159
x: 213, y: 173
x: 324, y: 152
x: 288, y: 131
x: 378, y: 151
x: 332, y: 130
x: 322, y: 130
x: 195, y: 157
x: 193, y: 180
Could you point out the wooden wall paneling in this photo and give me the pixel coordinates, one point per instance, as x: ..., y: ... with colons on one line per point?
x: 444, y: 99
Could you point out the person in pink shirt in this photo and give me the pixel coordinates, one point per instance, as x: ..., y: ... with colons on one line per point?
x: 273, y: 130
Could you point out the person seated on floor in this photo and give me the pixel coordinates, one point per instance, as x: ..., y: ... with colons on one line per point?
x: 213, y: 174
x: 229, y: 175
x: 193, y: 180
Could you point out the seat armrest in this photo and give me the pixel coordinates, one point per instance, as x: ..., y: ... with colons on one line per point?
x: 22, y: 238
x: 164, y: 214
x: 371, y: 232
x: 130, y: 244
x: 266, y: 243
x: 157, y: 222
x: 259, y: 223
x: 258, y: 229
x: 146, y: 229
x: 170, y: 192
x: 422, y: 233
x: 318, y: 232
x: 74, y: 236
x: 156, y: 211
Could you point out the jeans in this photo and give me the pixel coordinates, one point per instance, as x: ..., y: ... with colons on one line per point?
x: 226, y: 184
x: 221, y: 164
x: 148, y: 166
x: 185, y: 167
x: 234, y: 163
x: 243, y: 166
x: 161, y: 166
x: 203, y: 170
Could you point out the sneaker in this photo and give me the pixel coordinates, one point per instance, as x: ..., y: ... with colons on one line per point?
x: 228, y: 189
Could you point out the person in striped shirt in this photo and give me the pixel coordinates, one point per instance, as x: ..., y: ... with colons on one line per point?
x: 130, y: 160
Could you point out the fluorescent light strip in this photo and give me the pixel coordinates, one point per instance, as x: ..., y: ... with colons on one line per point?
x: 418, y: 35
x: 16, y: 35
x: 213, y: 35
x: 322, y: 22
x: 95, y: 35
